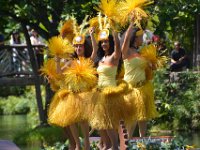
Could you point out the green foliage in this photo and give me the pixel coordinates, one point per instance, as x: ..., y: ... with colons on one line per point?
x: 57, y: 146
x: 147, y: 144
x: 23, y: 104
x: 80, y: 9
x: 7, y: 91
x: 14, y: 105
x: 178, y: 101
x: 176, y: 20
x: 41, y: 136
x: 43, y: 16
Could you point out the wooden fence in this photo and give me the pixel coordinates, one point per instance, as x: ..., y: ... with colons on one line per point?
x: 15, y: 66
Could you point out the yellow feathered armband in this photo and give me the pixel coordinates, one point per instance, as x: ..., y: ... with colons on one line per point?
x: 150, y: 53
x: 49, y: 69
x: 49, y: 72
x: 60, y: 47
x: 80, y: 76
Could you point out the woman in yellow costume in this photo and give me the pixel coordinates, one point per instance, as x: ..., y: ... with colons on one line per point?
x: 109, y: 106
x: 74, y: 96
x: 108, y: 59
x: 49, y: 70
x: 136, y: 74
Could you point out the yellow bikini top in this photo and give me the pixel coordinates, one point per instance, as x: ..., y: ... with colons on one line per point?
x: 107, y: 75
x: 135, y: 70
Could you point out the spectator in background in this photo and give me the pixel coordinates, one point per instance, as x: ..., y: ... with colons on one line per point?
x: 179, y: 59
x: 35, y: 38
x: 1, y: 40
x: 29, y: 30
x: 147, y: 36
x: 18, y: 55
x: 15, y: 38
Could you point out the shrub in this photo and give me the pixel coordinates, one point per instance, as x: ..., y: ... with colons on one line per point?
x: 178, y: 100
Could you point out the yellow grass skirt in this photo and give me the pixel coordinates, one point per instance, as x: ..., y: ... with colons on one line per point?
x: 143, y: 102
x: 68, y: 108
x: 109, y: 107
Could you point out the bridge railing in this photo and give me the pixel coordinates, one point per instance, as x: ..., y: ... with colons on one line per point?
x: 15, y: 60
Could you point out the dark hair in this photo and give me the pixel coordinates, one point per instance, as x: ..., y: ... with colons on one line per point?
x: 16, y: 40
x: 1, y: 37
x: 133, y: 37
x: 101, y: 52
x: 87, y: 49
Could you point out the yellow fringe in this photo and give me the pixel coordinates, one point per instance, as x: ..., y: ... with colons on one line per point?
x: 143, y: 102
x: 109, y: 107
x: 68, y: 108
x: 120, y: 89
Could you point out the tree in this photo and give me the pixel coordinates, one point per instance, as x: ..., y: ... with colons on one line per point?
x: 175, y: 20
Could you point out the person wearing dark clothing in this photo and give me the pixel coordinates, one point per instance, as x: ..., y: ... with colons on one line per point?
x: 1, y: 40
x: 179, y: 58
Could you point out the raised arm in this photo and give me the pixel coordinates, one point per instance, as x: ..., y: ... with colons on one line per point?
x: 94, y: 44
x: 117, y: 50
x: 126, y: 42
x: 58, y: 68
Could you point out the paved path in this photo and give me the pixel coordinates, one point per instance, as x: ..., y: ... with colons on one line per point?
x: 8, y: 145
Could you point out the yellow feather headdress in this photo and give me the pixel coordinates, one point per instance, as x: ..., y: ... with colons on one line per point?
x: 108, y: 8
x: 132, y: 9
x: 67, y: 30
x: 110, y: 19
x: 80, y: 76
x: 94, y: 22
x: 104, y: 25
x: 101, y: 25
x: 60, y: 47
x: 79, y: 31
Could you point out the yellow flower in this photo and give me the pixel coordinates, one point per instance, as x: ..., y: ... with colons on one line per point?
x: 141, y: 145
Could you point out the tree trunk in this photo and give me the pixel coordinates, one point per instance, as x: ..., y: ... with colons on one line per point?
x: 49, y: 95
x: 34, y: 65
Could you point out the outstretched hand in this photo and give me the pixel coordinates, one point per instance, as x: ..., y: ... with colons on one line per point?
x: 92, y: 30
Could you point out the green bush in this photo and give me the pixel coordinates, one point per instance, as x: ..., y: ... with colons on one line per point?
x: 23, y: 104
x: 41, y: 136
x: 178, y: 101
x: 14, y: 105
x: 11, y: 90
